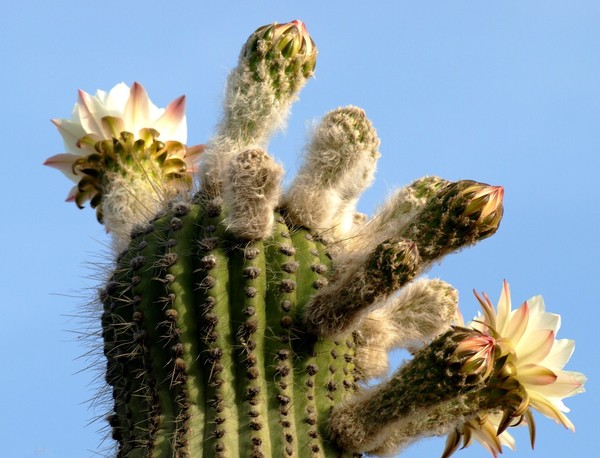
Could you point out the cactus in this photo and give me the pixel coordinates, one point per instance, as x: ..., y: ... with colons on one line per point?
x: 243, y: 320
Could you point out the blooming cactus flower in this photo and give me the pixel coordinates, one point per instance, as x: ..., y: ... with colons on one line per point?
x: 113, y: 148
x: 107, y: 114
x: 528, y: 371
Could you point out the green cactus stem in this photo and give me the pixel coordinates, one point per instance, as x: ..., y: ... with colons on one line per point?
x: 206, y: 346
x: 242, y: 321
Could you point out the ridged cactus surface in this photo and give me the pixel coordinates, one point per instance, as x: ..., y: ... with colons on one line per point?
x: 206, y: 343
x: 243, y: 320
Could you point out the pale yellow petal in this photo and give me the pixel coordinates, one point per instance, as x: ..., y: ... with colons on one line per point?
x: 547, y: 408
x: 534, y: 347
x: 504, y: 309
x: 566, y: 384
x: 534, y: 374
x: 539, y: 318
x: 517, y: 323
x: 559, y: 355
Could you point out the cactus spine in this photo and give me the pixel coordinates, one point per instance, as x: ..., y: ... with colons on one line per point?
x: 243, y: 320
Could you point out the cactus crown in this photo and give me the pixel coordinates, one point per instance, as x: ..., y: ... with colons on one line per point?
x: 244, y: 320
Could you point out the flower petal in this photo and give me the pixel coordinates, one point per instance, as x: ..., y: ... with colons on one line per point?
x: 87, y: 111
x: 559, y: 354
x: 136, y: 111
x: 171, y: 125
x: 72, y: 194
x: 534, y: 347
x: 566, y: 384
x: 534, y: 374
x: 517, y: 323
x: 504, y: 308
x: 64, y: 163
x: 70, y: 131
x: 539, y: 318
x: 547, y: 408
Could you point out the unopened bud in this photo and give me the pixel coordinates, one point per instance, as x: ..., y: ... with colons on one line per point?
x: 484, y: 206
x: 290, y: 41
x: 476, y: 352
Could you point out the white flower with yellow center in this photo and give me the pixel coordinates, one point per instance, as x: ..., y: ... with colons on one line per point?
x: 117, y: 160
x: 528, y: 372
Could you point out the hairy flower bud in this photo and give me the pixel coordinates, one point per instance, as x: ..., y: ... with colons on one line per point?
x: 475, y: 352
x: 290, y: 41
x: 460, y: 214
x: 485, y: 206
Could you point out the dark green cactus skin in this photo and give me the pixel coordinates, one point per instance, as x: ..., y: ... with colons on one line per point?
x: 207, y: 350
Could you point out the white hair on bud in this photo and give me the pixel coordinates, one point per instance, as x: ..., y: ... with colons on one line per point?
x: 399, y: 210
x: 423, y: 310
x: 251, y: 193
x: 256, y: 104
x: 339, y: 165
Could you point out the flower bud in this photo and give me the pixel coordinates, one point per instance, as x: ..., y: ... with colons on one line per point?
x: 289, y: 41
x: 475, y: 352
x: 484, y: 206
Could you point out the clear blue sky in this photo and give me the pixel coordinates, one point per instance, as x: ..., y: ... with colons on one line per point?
x: 504, y: 92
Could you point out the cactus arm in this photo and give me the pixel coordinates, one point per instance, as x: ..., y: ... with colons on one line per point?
x: 336, y: 310
x: 272, y: 68
x: 420, y: 312
x: 393, y: 217
x: 434, y: 376
x: 338, y: 166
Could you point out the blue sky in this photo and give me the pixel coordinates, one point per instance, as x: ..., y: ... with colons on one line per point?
x: 502, y: 92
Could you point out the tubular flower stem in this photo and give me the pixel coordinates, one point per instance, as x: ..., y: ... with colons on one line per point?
x: 273, y: 66
x: 460, y: 214
x: 336, y: 310
x: 438, y: 375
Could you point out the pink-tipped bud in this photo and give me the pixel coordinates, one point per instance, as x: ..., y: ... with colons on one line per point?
x: 485, y: 206
x: 290, y: 41
x: 476, y: 353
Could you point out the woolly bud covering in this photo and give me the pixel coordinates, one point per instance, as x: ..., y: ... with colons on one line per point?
x: 419, y: 313
x: 273, y: 66
x: 251, y: 194
x: 338, y: 166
